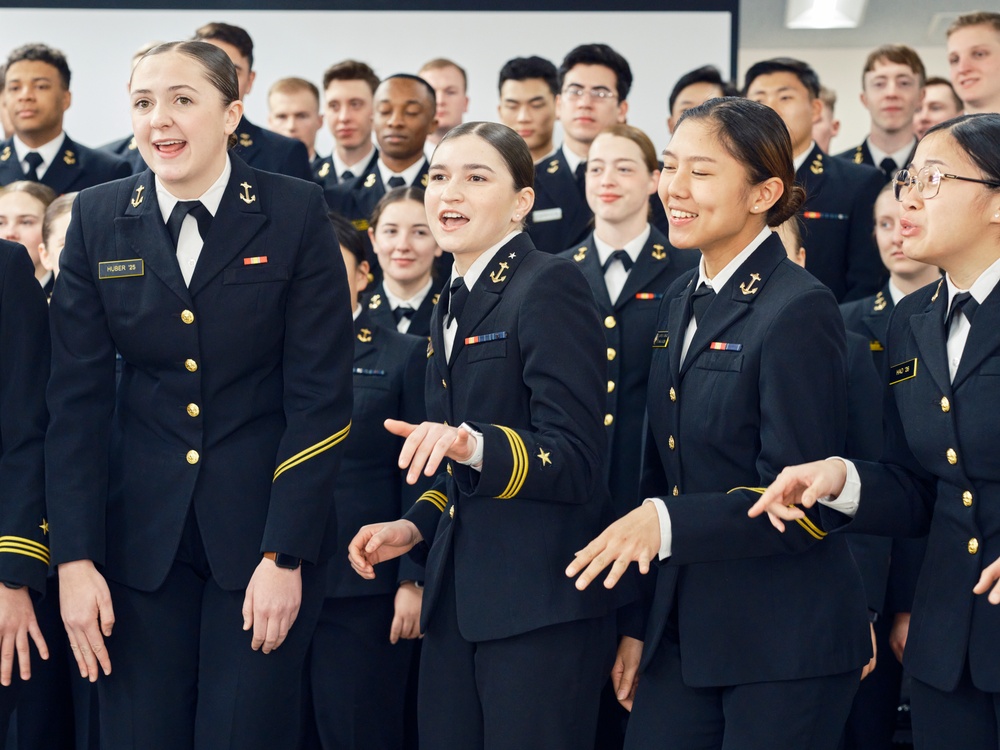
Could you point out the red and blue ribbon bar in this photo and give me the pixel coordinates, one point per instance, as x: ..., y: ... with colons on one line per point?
x: 724, y: 347
x: 486, y: 337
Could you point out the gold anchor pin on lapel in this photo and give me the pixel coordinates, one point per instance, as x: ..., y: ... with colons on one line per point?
x: 580, y: 254
x: 880, y: 302
x: 553, y: 166
x: 658, y: 252
x: 423, y: 181
x: 6, y: 154
x: 499, y: 275
x: 245, y: 195
x: 245, y: 140
x: 69, y: 157
x: 365, y: 335
x: 132, y: 145
x: 370, y: 180
x: 324, y: 170
x: 375, y: 301
x: 858, y: 156
x: 138, y: 196
x: 749, y: 289
x: 435, y: 298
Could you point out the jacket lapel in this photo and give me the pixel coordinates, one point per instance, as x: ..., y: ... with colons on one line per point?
x: 144, y: 230
x: 239, y: 218
x: 983, y: 340
x: 928, y: 332
x: 589, y: 263
x: 733, y: 300
x: 10, y: 164
x: 876, y: 318
x: 365, y: 338
x: 652, y: 261
x: 678, y: 315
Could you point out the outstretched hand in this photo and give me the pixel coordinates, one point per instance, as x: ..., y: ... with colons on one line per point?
x: 800, y: 485
x: 427, y: 444
x: 378, y: 542
x: 634, y: 537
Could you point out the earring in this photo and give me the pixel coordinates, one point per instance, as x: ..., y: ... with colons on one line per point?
x: 755, y: 209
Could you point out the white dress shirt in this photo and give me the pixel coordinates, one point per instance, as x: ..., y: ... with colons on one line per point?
x: 409, y: 174
x: 901, y: 157
x: 616, y: 275
x: 340, y: 166
x: 48, y: 151
x: 413, y: 302
x: 189, y: 241
x: 717, y: 282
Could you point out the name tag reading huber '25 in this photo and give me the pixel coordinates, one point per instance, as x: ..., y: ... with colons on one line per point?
x: 120, y: 269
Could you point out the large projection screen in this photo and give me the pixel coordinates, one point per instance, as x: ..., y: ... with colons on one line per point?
x: 660, y: 46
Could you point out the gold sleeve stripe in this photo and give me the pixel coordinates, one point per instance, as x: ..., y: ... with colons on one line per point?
x: 312, y: 451
x: 758, y: 490
x: 812, y: 528
x: 21, y: 546
x: 438, y: 499
x: 519, y: 472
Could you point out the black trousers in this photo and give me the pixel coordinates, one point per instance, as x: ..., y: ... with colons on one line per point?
x: 965, y: 717
x: 183, y: 674
x: 534, y: 690
x: 669, y: 715
x: 873, y: 717
x: 358, y: 679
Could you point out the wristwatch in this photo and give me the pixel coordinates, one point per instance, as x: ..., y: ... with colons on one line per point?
x: 288, y: 562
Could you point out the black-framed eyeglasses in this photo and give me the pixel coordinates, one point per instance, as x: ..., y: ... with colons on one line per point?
x: 578, y: 92
x: 927, y: 181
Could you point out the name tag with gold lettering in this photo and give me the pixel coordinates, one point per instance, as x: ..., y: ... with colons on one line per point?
x: 661, y: 339
x: 120, y: 269
x: 903, y: 371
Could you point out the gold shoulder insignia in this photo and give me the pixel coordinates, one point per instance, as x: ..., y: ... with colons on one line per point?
x: 132, y: 146
x: 749, y: 289
x: 553, y: 166
x: 435, y: 298
x: 880, y: 303
x: 374, y: 302
x: 365, y: 335
x: 817, y: 165
x: 858, y: 156
x: 362, y: 226
x: 658, y: 252
x: 497, y: 276
x: 138, y: 196
x: 245, y: 140
x: 69, y: 157
x: 6, y: 153
x: 324, y: 170
x: 580, y: 254
x: 245, y: 195
x: 370, y: 180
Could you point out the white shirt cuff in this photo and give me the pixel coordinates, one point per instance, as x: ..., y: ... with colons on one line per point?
x: 475, y: 461
x: 666, y: 533
x: 849, y: 498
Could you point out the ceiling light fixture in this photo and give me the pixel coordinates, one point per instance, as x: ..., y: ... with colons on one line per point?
x: 824, y: 14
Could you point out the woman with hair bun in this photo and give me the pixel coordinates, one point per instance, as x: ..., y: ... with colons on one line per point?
x: 748, y: 370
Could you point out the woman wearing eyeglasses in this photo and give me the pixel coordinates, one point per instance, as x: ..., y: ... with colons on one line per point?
x: 940, y: 473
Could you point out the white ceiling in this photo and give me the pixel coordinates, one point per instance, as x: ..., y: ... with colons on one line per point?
x: 918, y: 23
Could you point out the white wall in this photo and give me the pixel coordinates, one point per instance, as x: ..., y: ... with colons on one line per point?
x: 840, y: 69
x: 660, y: 46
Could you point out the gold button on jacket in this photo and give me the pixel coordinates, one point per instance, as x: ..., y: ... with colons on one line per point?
x: 193, y: 410
x: 193, y: 457
x: 973, y: 546
x: 187, y: 317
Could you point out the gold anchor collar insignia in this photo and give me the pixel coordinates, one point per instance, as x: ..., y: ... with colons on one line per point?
x: 430, y: 348
x: 374, y: 302
x: 132, y: 145
x: 245, y: 140
x: 435, y: 298
x: 370, y: 180
x: 817, y: 165
x: 880, y: 302
x: 553, y: 166
x: 659, y: 252
x: 245, y: 195
x: 69, y: 158
x: 859, y: 157
x: 497, y: 276
x: 749, y: 288
x: 325, y: 169
x: 138, y: 198
x: 6, y: 153
x: 365, y: 335
x: 938, y: 290
x: 423, y: 181
x: 580, y: 254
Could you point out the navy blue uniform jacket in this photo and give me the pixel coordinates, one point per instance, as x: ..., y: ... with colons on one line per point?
x: 763, y: 386
x: 24, y: 369
x: 560, y: 216
x: 234, y: 392
x: 378, y: 308
x: 271, y: 152
x: 940, y: 476
x: 629, y: 327
x: 75, y: 167
x: 838, y: 222
x: 534, y: 385
x: 126, y: 149
x: 389, y: 369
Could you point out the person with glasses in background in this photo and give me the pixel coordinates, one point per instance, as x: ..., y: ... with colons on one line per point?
x: 939, y: 473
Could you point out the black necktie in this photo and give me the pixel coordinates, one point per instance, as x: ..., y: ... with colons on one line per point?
x: 183, y: 208
x: 403, y: 311
x: 888, y: 166
x: 348, y: 175
x: 621, y: 255
x: 396, y: 181
x: 581, y: 177
x: 459, y: 296
x: 701, y: 299
x: 34, y: 160
x: 964, y: 303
